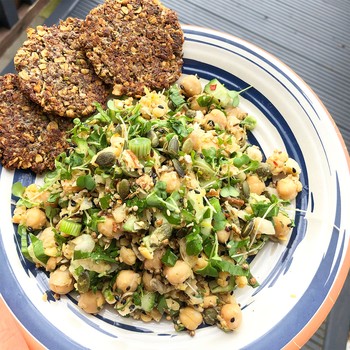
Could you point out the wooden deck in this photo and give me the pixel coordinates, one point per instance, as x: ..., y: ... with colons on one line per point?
x: 312, y: 37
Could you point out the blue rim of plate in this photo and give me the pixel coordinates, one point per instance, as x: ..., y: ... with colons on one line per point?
x: 322, y: 282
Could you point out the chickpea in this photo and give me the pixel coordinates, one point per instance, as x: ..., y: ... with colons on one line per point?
x: 236, y: 112
x: 282, y: 225
x: 241, y: 281
x: 255, y: 184
x: 196, y: 136
x: 194, y: 105
x: 117, y: 143
x: 190, y: 318
x: 223, y: 278
x: 190, y: 85
x: 172, y: 181
x: 215, y: 118
x: 119, y: 214
x: 277, y: 161
x: 127, y: 281
x: 51, y: 264
x: 288, y: 188
x: 35, y: 218
x: 154, y: 264
x: 228, y: 298
x: 69, y: 186
x: 178, y: 273
x: 254, y: 153
x: 32, y: 193
x: 231, y: 315
x: 107, y: 227
x: 127, y: 256
x: 201, y: 264
x: 223, y: 236
x: 49, y: 244
x: 159, y: 111
x: 146, y: 280
x: 68, y: 250
x: 210, y: 301
x: 61, y: 281
x: 232, y: 123
x: 19, y: 215
x: 91, y: 302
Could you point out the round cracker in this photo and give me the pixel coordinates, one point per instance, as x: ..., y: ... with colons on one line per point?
x: 29, y: 139
x: 55, y: 73
x: 134, y: 44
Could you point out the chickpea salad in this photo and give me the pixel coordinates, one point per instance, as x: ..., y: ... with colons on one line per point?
x: 158, y: 207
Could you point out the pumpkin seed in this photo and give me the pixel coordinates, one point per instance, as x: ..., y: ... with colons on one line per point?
x: 105, y: 159
x: 123, y: 188
x: 187, y: 146
x: 153, y: 137
x: 210, y: 316
x: 130, y: 173
x: 190, y: 113
x: 178, y: 167
x: 83, y: 282
x: 245, y: 190
x: 264, y: 170
x: 247, y: 229
x: 173, y: 146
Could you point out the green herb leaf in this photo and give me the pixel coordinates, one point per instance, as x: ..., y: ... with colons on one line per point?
x: 86, y: 181
x: 253, y: 165
x: 162, y: 305
x: 237, y: 247
x: 240, y: 161
x: 249, y: 122
x: 18, y: 189
x: 229, y: 191
x: 53, y: 197
x: 175, y: 96
x: 105, y: 201
x: 232, y: 269
x: 51, y: 212
x: 205, y: 100
x: 219, y: 220
x: 169, y: 258
x: 179, y: 128
x: 194, y: 242
x: 209, y: 270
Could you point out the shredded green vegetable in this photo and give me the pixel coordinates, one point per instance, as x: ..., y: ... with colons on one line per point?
x: 158, y: 207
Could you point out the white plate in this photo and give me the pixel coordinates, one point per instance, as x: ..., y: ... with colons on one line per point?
x: 299, y: 281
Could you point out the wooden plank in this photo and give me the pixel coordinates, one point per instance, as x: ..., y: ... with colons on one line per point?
x: 325, y: 68
x: 8, y: 13
x: 26, y: 13
x: 277, y: 31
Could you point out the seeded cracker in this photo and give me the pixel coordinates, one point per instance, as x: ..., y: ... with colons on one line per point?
x: 28, y: 137
x: 134, y: 44
x: 55, y: 73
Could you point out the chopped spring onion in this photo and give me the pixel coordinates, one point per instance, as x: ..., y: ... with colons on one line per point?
x: 70, y: 227
x: 141, y: 146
